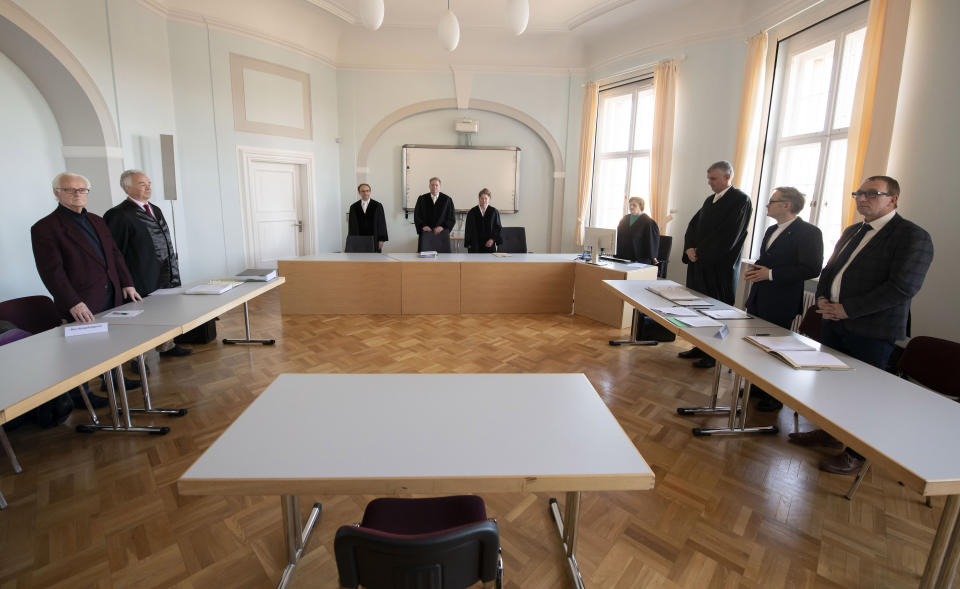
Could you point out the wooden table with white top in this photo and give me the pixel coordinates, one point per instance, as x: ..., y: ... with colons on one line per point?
x: 391, y: 434
x: 909, y: 431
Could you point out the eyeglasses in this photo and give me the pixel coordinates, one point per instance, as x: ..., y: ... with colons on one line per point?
x: 75, y: 190
x: 871, y: 194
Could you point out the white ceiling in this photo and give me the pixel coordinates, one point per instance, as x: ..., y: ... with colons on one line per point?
x: 561, y: 33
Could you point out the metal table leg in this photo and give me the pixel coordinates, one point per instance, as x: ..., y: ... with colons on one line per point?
x: 945, y: 539
x: 296, y: 534
x: 567, y: 527
x: 147, y: 404
x: 712, y: 409
x: 9, y: 450
x: 247, y: 340
x: 3, y: 502
x: 127, y: 426
x: 634, y: 340
x: 732, y: 427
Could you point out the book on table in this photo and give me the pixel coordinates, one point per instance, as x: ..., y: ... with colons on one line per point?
x: 796, y: 353
x: 212, y: 287
x: 257, y: 275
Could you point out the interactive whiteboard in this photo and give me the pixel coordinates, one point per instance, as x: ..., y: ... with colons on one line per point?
x: 463, y: 171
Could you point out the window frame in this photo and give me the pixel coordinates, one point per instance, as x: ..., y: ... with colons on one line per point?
x: 633, y: 87
x: 835, y: 27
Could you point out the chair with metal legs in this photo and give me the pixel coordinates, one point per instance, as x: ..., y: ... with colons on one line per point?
x: 431, y: 543
x: 930, y: 362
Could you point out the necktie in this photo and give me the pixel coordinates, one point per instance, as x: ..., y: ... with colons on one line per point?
x: 148, y: 209
x: 849, y: 248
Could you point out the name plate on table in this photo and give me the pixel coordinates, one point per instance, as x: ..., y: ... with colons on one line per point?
x: 85, y: 329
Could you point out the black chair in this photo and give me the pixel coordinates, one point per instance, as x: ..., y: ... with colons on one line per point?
x: 360, y: 244
x: 431, y: 242
x: 514, y: 240
x: 663, y: 255
x: 433, y: 543
x: 930, y: 362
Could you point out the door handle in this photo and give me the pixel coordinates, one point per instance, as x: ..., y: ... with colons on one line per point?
x: 299, y: 226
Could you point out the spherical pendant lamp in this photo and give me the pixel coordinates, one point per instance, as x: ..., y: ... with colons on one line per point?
x: 518, y: 15
x: 448, y: 30
x: 371, y: 13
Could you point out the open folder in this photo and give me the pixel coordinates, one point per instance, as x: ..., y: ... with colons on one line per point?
x: 796, y: 353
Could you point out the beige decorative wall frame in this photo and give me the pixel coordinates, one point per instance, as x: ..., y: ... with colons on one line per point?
x: 269, y: 98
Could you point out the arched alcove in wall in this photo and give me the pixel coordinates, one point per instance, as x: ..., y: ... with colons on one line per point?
x: 556, y: 217
x: 90, y: 142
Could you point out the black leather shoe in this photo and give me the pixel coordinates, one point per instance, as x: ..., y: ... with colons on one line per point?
x: 130, y: 384
x: 176, y: 352
x: 96, y: 401
x: 769, y: 405
x: 705, y: 362
x: 691, y: 353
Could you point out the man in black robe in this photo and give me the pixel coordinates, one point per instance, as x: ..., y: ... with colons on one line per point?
x: 434, y: 214
x: 143, y: 237
x: 482, y: 232
x: 366, y: 217
x: 713, y: 243
x: 638, y: 236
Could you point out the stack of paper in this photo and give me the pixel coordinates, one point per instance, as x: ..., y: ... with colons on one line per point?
x: 726, y: 314
x: 428, y: 254
x: 212, y: 287
x: 675, y: 311
x: 775, y: 343
x: 257, y: 275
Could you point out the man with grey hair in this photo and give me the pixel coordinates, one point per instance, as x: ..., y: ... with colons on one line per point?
x: 143, y: 237
x: 713, y: 243
x: 434, y: 214
x: 791, y: 252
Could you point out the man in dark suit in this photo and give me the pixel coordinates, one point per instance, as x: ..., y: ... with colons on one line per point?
x: 713, y: 243
x: 142, y: 234
x: 78, y: 261
x: 482, y: 227
x: 791, y: 253
x: 434, y: 214
x: 865, y: 291
x: 366, y: 217
x: 76, y: 256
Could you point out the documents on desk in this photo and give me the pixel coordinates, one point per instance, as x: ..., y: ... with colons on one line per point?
x: 699, y: 321
x: 726, y: 314
x: 213, y: 287
x: 85, y: 329
x: 796, y: 353
x: 675, y: 311
x: 673, y: 291
x: 257, y: 275
x: 692, y: 303
x: 428, y: 254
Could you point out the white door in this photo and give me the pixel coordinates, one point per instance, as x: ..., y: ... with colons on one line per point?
x: 276, y: 216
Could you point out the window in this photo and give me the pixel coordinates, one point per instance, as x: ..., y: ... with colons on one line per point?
x: 622, y: 160
x: 814, y: 81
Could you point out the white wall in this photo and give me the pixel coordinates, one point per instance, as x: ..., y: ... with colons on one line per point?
x: 207, y: 144
x: 367, y: 97
x: 924, y: 152
x: 29, y: 159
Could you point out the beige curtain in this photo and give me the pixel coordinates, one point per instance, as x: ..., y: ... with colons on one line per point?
x: 858, y: 138
x: 661, y: 154
x: 745, y: 149
x: 588, y: 133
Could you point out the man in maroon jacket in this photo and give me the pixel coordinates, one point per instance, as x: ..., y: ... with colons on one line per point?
x: 76, y: 256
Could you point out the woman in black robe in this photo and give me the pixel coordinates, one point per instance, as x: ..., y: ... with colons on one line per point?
x: 638, y: 236
x: 482, y: 232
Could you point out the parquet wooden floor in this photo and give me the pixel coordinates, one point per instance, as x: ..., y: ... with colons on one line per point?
x: 103, y: 510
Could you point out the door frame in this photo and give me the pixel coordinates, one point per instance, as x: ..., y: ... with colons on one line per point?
x: 303, y: 160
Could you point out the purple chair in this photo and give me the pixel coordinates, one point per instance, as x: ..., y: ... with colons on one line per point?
x: 33, y: 314
x: 434, y: 543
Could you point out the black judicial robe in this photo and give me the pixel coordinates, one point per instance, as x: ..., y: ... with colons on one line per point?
x: 717, y: 231
x: 426, y: 213
x: 639, y: 242
x: 373, y: 222
x: 479, y: 228
x: 146, y: 245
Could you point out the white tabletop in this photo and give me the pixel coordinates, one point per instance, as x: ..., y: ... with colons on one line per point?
x: 47, y: 364
x: 637, y: 293
x: 188, y: 311
x: 415, y: 257
x: 340, y: 257
x: 891, y: 421
x: 420, y: 433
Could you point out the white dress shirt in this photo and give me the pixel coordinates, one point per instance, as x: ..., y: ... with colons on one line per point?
x: 776, y: 233
x: 877, y: 225
x: 720, y: 194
